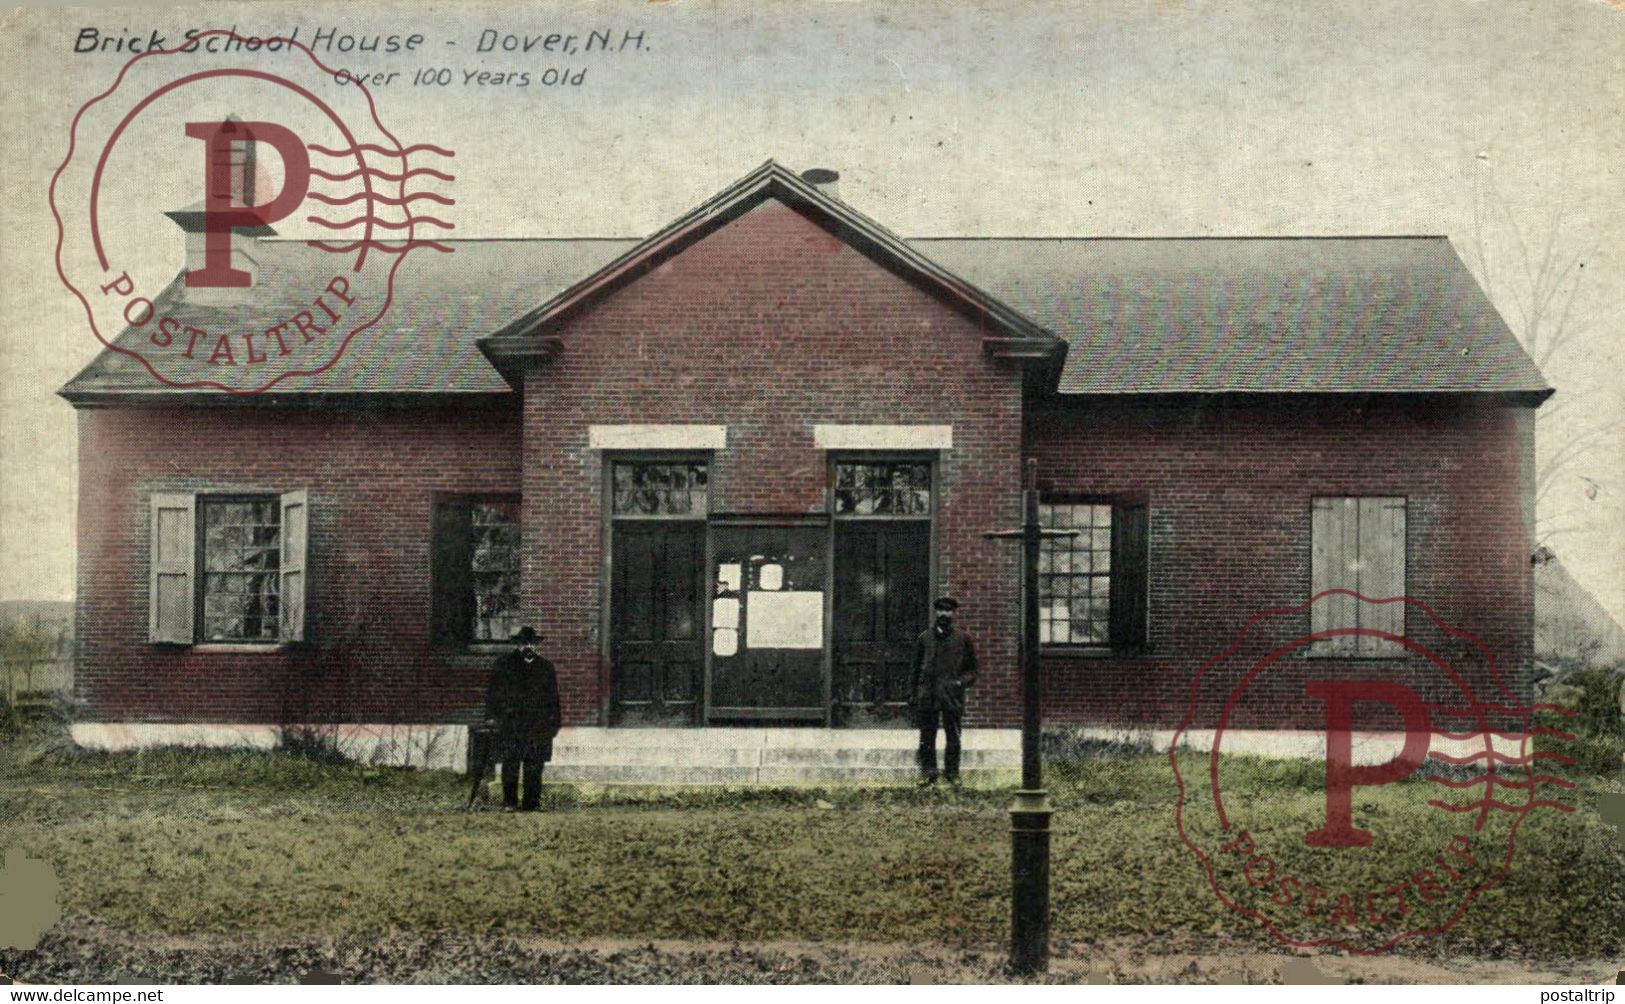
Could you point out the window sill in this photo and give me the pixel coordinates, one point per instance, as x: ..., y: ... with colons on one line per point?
x: 223, y: 646
x: 1356, y: 657
x: 453, y: 647
x: 1067, y: 652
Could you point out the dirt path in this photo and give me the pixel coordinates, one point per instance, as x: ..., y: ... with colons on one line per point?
x: 84, y: 953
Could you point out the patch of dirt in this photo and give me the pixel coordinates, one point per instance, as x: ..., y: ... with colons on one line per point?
x: 79, y: 952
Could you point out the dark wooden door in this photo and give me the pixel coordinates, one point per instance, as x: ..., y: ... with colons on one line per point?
x: 882, y: 603
x: 767, y: 622
x: 657, y: 623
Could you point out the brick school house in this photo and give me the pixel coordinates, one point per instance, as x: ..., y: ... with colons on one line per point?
x: 725, y: 469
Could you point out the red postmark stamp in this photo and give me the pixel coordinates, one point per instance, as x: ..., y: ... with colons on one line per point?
x: 1417, y: 766
x: 169, y: 201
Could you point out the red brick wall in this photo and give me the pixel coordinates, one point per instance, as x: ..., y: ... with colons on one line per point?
x: 371, y: 475
x: 1230, y: 488
x: 770, y: 325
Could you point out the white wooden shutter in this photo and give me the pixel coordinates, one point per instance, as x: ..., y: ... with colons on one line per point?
x: 1382, y: 572
x: 1334, y: 564
x: 171, y: 596
x: 295, y: 535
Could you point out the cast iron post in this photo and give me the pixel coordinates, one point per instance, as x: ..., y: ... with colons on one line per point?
x: 1030, y: 812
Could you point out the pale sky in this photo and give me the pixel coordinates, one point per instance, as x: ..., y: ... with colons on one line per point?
x: 1164, y: 118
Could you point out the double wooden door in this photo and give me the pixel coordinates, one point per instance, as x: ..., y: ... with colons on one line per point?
x: 750, y: 631
x: 768, y: 613
x: 882, y: 603
x: 657, y: 623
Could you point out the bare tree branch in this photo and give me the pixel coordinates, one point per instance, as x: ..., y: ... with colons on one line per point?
x: 1574, y: 448
x: 1540, y: 286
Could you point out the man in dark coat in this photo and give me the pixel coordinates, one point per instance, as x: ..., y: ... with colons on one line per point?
x: 944, y: 666
x: 523, y: 706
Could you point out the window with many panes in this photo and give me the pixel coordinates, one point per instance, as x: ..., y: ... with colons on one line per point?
x: 240, y: 544
x: 1092, y: 585
x: 1074, y: 575
x: 883, y: 488
x: 226, y: 569
x: 476, y: 568
x: 494, y: 567
x: 658, y: 488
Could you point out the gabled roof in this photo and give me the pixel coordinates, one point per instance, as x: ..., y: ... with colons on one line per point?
x: 1142, y: 316
x: 769, y: 181
x: 424, y: 345
x: 1263, y: 315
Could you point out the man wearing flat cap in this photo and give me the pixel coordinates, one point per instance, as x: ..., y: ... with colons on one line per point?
x: 523, y: 706
x: 944, y: 667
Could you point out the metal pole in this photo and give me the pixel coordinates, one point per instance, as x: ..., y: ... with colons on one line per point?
x: 1030, y: 812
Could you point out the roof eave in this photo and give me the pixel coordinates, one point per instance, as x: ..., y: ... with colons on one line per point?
x: 512, y: 354
x: 1524, y: 397
x: 1027, y: 349
x: 174, y: 398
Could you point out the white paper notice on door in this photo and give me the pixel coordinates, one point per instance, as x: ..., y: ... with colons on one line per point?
x: 784, y: 619
x: 771, y: 577
x: 725, y: 642
x: 728, y: 577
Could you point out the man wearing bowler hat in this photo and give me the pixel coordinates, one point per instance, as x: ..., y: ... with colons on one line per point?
x: 523, y: 705
x: 944, y: 667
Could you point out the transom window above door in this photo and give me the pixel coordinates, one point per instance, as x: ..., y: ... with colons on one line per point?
x: 883, y: 488
x: 659, y: 488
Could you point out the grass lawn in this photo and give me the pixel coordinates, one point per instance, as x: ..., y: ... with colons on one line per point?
x: 246, y: 846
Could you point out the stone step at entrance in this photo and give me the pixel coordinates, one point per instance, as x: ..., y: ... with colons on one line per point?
x: 738, y: 755
x: 767, y: 755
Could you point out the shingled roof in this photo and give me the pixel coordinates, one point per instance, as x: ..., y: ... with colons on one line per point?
x: 1263, y: 315
x: 424, y: 345
x: 1140, y: 316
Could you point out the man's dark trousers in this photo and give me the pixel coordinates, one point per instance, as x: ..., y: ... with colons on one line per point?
x: 523, y: 701
x: 949, y: 720
x: 944, y: 666
x: 529, y: 759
